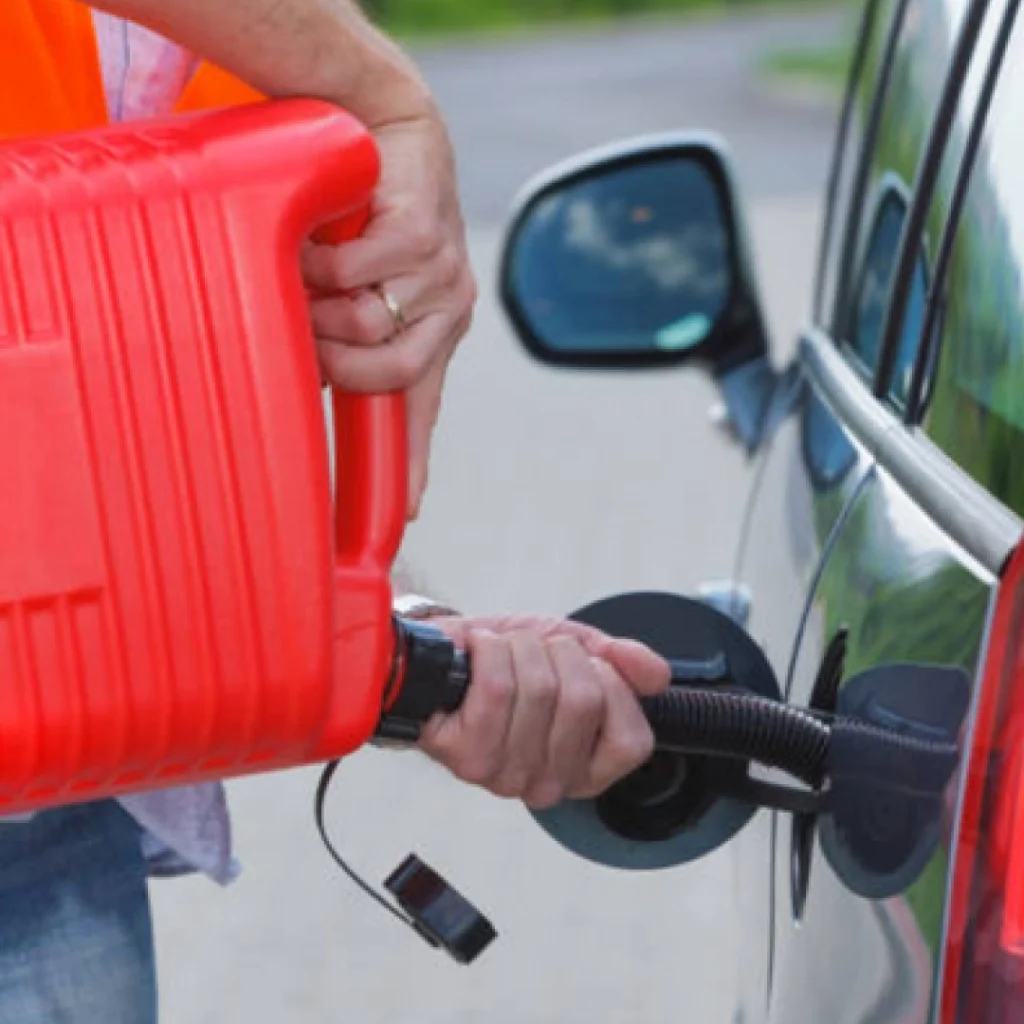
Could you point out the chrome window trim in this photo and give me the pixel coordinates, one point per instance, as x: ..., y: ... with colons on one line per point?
x: 844, y: 389
x: 839, y: 153
x: 929, y: 350
x: 924, y: 189
x: 849, y: 240
x: 980, y: 524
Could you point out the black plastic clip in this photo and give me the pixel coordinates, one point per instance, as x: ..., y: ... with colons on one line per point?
x: 440, y: 914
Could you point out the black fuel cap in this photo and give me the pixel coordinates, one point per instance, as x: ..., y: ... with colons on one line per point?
x: 439, y: 913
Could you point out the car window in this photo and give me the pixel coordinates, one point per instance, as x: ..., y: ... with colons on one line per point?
x: 938, y: 213
x: 872, y: 295
x: 975, y: 411
x: 927, y: 36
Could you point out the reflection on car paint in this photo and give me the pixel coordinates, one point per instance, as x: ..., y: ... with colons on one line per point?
x: 828, y: 453
x: 887, y: 807
x: 907, y: 597
x: 976, y: 407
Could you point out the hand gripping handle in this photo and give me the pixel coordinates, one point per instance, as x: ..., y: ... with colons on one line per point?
x: 371, y: 454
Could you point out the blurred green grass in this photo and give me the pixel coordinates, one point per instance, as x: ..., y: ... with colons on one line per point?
x: 823, y: 68
x: 429, y: 17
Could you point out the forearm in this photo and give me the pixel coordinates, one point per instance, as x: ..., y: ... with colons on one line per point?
x: 322, y: 48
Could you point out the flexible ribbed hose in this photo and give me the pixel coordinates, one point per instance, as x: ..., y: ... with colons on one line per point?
x: 698, y: 717
x: 752, y: 728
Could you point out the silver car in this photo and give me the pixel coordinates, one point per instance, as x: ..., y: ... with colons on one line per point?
x: 878, y: 572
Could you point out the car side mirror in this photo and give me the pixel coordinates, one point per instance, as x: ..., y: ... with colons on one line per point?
x: 632, y: 257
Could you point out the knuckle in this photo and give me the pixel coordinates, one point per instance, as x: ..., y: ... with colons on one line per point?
x: 644, y: 746
x: 545, y: 687
x: 497, y: 686
x: 338, y: 269
x: 323, y: 323
x: 510, y: 785
x: 364, y: 320
x: 469, y: 772
x: 476, y: 769
x: 448, y: 267
x: 421, y: 236
x: 562, y: 650
x: 544, y: 795
x: 585, y: 702
x: 411, y: 362
x: 333, y: 363
x: 434, y: 743
x: 630, y: 748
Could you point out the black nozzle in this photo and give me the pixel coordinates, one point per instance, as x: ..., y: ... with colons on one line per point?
x: 432, y: 675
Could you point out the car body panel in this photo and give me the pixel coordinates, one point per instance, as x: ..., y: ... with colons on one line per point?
x: 810, y: 471
x: 909, y: 585
x: 881, y: 511
x: 907, y: 594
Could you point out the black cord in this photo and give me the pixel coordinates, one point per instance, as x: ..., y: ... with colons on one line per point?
x: 326, y: 776
x: 435, y: 911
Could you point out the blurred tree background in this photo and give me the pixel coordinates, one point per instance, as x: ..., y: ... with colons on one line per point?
x: 452, y: 15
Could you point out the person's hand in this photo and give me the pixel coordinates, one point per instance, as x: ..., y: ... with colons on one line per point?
x: 413, y: 250
x: 552, y: 712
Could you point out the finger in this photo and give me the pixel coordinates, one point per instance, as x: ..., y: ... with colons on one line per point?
x: 526, y: 745
x: 593, y: 639
x: 364, y: 261
x: 316, y: 262
x: 644, y: 671
x: 471, y: 742
x: 363, y: 318
x: 577, y: 722
x: 625, y: 741
x: 392, y: 367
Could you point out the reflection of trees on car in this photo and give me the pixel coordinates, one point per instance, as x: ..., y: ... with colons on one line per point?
x: 977, y: 412
x: 897, y: 606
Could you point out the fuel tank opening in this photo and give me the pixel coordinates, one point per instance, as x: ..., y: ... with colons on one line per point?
x: 892, y: 741
x: 672, y: 810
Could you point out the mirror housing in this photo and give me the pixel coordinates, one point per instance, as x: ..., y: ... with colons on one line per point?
x: 634, y: 256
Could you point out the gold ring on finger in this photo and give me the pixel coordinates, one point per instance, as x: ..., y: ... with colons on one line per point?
x: 394, y: 307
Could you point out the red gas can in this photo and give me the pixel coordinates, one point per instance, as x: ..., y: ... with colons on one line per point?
x: 177, y: 599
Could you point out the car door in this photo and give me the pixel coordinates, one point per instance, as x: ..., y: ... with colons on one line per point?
x: 877, y: 531
x: 812, y: 467
x: 912, y: 568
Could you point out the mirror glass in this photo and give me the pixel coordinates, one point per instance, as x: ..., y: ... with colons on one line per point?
x: 631, y: 259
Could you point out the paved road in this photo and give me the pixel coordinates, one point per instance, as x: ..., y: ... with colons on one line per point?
x: 518, y: 107
x: 548, y: 490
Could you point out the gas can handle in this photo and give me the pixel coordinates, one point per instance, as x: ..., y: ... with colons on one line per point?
x: 371, y: 454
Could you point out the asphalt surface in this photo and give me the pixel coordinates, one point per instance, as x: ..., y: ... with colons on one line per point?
x: 517, y: 107
x: 548, y: 490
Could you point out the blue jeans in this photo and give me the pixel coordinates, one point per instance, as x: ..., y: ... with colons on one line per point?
x: 76, y: 942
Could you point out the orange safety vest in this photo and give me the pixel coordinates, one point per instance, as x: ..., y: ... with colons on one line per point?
x: 50, y: 78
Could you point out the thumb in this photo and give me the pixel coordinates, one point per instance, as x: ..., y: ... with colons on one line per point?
x: 644, y: 671
x: 440, y: 733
